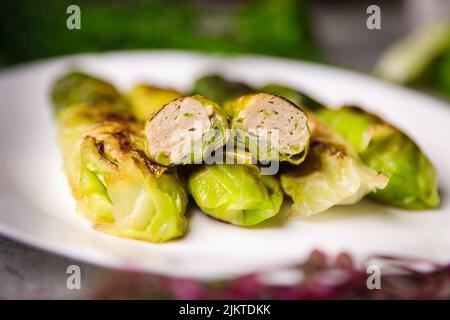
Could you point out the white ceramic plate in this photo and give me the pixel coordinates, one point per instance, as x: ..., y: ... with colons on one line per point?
x: 36, y: 206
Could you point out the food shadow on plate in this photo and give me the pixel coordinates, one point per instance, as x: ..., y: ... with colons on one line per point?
x: 365, y: 208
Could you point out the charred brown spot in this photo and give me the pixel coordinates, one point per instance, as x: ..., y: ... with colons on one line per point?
x: 151, y: 166
x: 114, y: 116
x: 120, y: 133
x: 313, y: 161
x: 123, y: 140
x: 100, y: 116
x: 100, y: 147
x: 139, y: 156
x: 333, y: 149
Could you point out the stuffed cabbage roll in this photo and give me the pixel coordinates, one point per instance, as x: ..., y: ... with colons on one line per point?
x: 413, y: 180
x: 114, y: 182
x: 271, y: 128
x: 332, y: 174
x: 235, y: 193
x: 77, y: 87
x: 185, y: 131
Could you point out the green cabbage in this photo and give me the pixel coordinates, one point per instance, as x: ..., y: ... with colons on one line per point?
x: 113, y: 181
x: 235, y: 193
x: 332, y: 174
x: 413, y: 180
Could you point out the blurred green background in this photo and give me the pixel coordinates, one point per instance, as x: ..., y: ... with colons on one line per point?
x: 37, y: 29
x: 326, y: 31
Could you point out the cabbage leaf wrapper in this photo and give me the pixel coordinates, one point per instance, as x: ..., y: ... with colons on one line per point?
x: 113, y: 181
x: 236, y: 193
x: 332, y: 174
x: 413, y: 180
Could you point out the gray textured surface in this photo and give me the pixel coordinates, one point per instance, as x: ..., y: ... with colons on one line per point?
x: 28, y: 273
